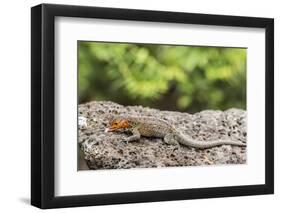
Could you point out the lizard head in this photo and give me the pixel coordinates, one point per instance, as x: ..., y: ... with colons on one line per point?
x: 117, y: 124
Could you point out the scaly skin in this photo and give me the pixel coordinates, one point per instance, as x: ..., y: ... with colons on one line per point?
x: 154, y: 127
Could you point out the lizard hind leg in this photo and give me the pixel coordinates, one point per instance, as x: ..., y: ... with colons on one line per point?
x: 169, y: 139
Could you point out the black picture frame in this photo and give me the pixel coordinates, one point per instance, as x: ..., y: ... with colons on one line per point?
x: 43, y: 102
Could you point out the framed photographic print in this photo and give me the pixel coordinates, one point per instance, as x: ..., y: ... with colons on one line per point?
x: 139, y: 106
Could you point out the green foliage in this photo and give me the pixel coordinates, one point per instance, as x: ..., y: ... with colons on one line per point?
x: 184, y: 78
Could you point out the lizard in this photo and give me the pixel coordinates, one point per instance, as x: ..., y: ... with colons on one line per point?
x: 149, y: 126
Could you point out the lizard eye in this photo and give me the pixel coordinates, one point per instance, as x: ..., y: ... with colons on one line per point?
x: 114, y: 123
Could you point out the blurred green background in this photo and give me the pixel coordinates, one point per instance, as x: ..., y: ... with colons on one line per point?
x: 181, y: 78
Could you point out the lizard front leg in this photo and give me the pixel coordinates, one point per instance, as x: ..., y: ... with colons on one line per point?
x: 135, y: 137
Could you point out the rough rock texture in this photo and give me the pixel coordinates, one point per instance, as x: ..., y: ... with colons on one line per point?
x: 107, y: 151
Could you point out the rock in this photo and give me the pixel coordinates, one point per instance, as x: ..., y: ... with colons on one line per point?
x: 107, y: 151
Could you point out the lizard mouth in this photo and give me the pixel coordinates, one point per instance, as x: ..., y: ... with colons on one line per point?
x: 109, y: 129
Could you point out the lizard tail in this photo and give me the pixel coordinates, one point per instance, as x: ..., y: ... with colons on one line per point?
x: 188, y: 141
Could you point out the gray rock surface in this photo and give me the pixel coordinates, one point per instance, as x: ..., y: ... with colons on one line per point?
x: 105, y: 150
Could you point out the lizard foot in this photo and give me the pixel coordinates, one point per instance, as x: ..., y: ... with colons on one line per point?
x: 169, y: 139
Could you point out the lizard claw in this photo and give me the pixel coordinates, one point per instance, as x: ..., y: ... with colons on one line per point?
x: 125, y: 141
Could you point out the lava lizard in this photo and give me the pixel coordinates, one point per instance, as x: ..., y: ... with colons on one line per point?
x: 154, y: 127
